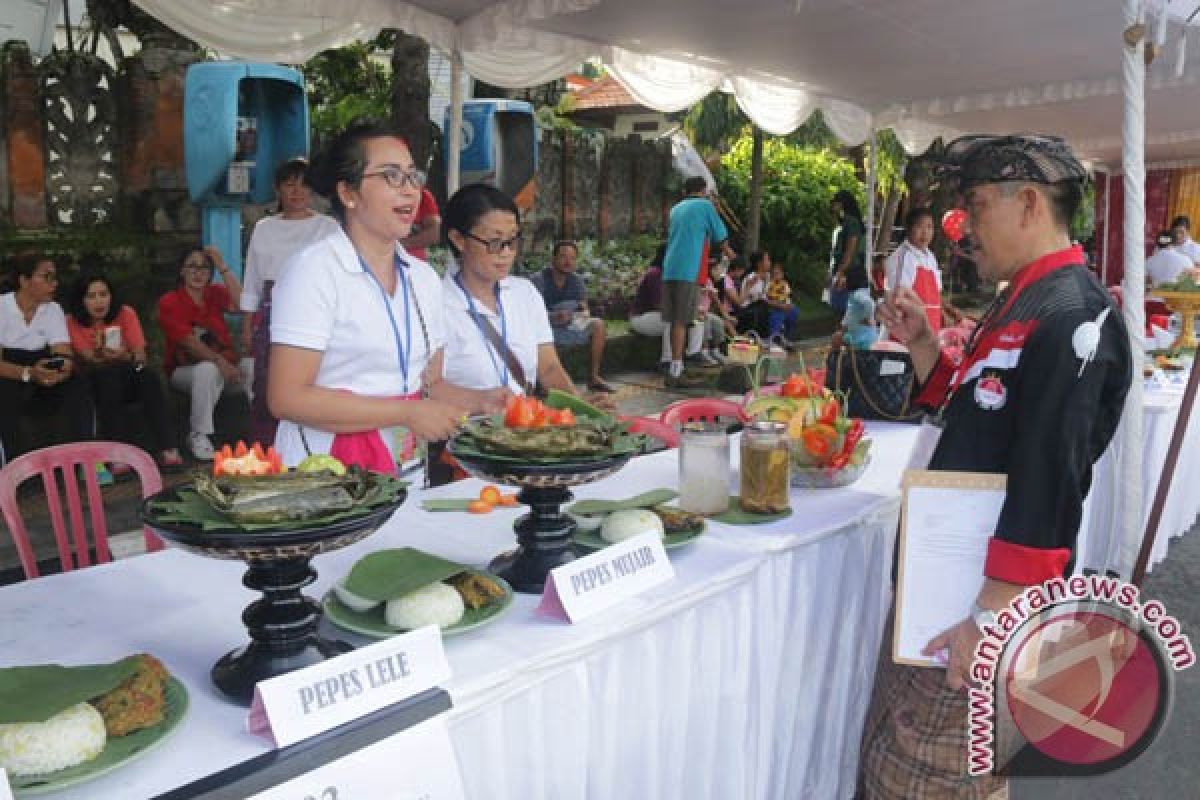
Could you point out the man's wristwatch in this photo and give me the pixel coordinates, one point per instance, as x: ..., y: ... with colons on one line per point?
x: 26, y: 375
x: 982, y: 616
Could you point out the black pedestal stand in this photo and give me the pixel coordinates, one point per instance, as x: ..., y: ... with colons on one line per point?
x: 543, y: 540
x: 282, y: 626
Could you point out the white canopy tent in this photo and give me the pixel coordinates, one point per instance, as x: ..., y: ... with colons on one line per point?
x: 924, y: 68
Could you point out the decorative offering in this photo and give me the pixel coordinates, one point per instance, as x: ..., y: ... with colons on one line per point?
x: 277, y: 524
x: 827, y: 447
x: 544, y: 462
x: 60, y: 726
x: 703, y: 469
x: 765, y: 458
x: 393, y: 591
x: 679, y: 527
x: 1183, y: 297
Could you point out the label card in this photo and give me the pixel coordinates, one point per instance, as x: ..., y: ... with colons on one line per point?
x: 5, y: 789
x: 300, y: 704
x: 890, y: 366
x: 416, y: 764
x: 589, y: 585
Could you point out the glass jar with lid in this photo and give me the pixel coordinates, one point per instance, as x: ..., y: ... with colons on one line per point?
x: 765, y: 466
x: 703, y: 469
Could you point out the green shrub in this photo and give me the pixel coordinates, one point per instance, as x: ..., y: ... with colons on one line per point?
x: 798, y: 184
x: 611, y: 270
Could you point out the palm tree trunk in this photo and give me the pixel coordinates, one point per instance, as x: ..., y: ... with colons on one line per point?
x: 410, y: 94
x: 755, y: 211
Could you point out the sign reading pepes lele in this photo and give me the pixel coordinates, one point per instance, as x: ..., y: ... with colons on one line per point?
x: 1074, y: 677
x: 312, y: 700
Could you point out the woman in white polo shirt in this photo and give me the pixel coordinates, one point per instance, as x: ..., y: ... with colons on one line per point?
x: 356, y: 328
x: 483, y: 230
x: 37, y: 367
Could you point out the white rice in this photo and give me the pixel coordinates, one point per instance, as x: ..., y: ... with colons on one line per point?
x: 68, y: 738
x: 436, y: 604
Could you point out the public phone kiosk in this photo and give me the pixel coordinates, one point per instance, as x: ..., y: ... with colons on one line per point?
x: 500, y: 147
x: 240, y: 121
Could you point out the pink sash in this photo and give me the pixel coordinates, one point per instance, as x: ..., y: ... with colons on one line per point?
x: 367, y: 449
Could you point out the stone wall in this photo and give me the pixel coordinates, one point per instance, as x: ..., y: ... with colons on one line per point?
x: 594, y: 186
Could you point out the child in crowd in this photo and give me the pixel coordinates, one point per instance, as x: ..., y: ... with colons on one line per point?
x: 782, y: 317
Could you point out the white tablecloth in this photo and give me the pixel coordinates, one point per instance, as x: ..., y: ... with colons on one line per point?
x: 745, y: 677
x: 1098, y: 547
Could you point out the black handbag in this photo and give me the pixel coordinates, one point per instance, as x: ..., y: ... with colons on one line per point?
x: 878, y: 383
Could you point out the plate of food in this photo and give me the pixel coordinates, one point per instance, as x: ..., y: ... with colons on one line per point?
x: 394, y: 591
x: 676, y: 527
x: 61, y: 726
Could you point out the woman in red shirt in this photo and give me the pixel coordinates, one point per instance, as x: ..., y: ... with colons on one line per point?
x: 200, y: 356
x: 108, y: 341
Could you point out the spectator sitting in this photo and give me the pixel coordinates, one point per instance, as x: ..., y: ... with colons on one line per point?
x: 645, y: 313
x: 111, y: 349
x: 37, y: 368
x: 753, y: 314
x: 275, y: 240
x: 782, y: 316
x: 566, y: 301
x: 200, y: 356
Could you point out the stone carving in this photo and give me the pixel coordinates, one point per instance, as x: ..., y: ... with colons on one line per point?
x: 80, y: 116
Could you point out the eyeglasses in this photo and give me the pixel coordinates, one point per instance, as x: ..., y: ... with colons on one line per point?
x: 495, y: 247
x: 397, y: 178
x: 48, y: 277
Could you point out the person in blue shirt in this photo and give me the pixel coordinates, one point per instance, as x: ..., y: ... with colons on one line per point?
x: 694, y: 225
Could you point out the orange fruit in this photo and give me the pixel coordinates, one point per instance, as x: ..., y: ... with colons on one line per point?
x: 490, y: 494
x: 508, y: 500
x: 479, y: 506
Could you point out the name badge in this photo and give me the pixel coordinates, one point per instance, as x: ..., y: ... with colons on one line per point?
x: 589, y: 585
x: 300, y: 704
x: 376, y: 772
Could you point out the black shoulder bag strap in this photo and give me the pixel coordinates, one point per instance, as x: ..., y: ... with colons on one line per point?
x: 510, y: 360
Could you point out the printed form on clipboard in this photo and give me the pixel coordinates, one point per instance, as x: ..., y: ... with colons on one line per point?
x: 946, y: 521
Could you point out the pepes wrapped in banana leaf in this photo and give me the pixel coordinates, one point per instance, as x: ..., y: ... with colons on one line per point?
x: 582, y: 440
x: 281, y: 498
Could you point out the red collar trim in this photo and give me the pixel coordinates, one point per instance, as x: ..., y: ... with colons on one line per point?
x: 1043, y: 266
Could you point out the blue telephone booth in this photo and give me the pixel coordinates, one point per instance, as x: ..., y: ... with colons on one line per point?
x: 499, y: 147
x: 240, y: 121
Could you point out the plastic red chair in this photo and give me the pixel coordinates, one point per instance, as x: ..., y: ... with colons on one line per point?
x: 654, y: 428
x: 70, y: 459
x: 701, y: 409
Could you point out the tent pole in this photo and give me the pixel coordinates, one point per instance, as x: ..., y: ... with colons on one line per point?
x: 454, y: 135
x: 1133, y: 159
x: 1107, y: 224
x: 872, y: 167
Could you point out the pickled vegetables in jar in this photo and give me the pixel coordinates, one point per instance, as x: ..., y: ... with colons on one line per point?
x: 765, y: 469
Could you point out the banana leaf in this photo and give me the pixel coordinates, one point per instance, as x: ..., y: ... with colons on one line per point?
x: 586, y: 441
x: 556, y: 398
x: 191, y: 508
x: 734, y: 515
x: 654, y: 497
x: 36, y: 693
x: 387, y: 574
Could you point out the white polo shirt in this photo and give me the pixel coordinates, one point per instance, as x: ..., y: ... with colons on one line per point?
x: 274, y: 241
x: 48, y: 326
x: 902, y: 265
x: 325, y: 301
x: 1191, y: 249
x: 1166, y: 265
x: 470, y: 360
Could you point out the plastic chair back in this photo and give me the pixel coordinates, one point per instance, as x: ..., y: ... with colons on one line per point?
x: 70, y: 459
x: 654, y: 428
x: 702, y: 409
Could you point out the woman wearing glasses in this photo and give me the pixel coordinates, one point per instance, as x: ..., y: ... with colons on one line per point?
x: 37, y: 370
x: 275, y: 240
x: 356, y: 328
x: 488, y: 311
x: 201, y: 359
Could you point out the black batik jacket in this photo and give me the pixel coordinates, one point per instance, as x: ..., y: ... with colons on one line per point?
x: 1037, y: 397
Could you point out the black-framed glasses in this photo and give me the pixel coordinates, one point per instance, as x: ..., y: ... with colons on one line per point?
x: 397, y: 178
x: 495, y: 247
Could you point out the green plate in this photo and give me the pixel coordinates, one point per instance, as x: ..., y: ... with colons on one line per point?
x: 118, y: 751
x: 734, y: 515
x: 592, y: 540
x: 371, y: 623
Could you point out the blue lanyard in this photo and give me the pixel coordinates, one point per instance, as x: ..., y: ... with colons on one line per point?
x: 479, y: 323
x: 403, y: 348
